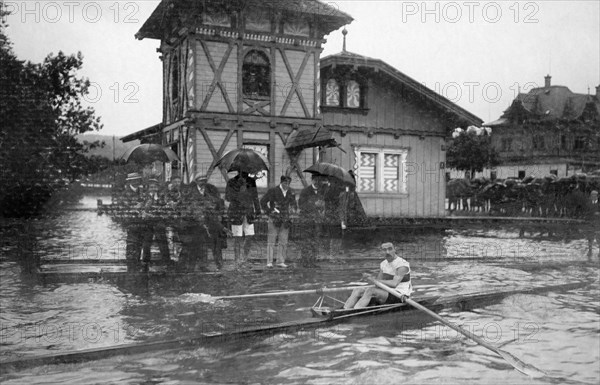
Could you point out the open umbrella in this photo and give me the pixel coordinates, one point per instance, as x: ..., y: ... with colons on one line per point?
x: 148, y: 153
x: 333, y: 170
x: 243, y: 160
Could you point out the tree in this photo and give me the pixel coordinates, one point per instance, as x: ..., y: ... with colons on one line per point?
x: 472, y: 151
x: 40, y: 114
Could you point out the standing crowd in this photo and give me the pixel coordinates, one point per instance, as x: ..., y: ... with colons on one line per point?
x: 197, y: 217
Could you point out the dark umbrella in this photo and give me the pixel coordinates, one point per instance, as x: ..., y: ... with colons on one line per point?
x: 149, y: 152
x: 243, y: 160
x: 332, y: 170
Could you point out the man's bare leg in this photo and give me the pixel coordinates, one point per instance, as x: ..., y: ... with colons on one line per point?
x: 372, y: 292
x: 354, y: 297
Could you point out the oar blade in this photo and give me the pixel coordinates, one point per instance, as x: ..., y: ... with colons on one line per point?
x: 199, y: 297
x: 521, y: 366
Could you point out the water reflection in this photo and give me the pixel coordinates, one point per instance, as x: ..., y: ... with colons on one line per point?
x: 555, y: 331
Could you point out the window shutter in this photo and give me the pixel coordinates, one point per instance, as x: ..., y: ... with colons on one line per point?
x: 391, y: 173
x: 367, y: 171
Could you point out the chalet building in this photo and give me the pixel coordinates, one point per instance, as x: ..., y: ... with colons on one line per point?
x: 391, y: 132
x: 249, y: 74
x: 549, y: 130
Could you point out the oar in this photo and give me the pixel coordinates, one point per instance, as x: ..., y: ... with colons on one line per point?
x: 521, y: 366
x: 319, y: 291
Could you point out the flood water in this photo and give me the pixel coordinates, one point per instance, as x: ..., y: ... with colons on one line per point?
x: 558, y: 331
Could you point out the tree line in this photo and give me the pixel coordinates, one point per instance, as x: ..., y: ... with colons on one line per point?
x: 41, y: 114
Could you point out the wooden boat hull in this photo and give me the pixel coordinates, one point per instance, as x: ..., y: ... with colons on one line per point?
x: 433, y: 303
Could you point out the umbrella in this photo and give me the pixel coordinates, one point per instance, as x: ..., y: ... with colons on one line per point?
x: 332, y: 170
x: 148, y: 153
x: 243, y: 160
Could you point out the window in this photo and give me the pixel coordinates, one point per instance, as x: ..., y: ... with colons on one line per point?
x: 381, y: 170
x: 297, y: 26
x: 580, y: 143
x: 343, y: 93
x: 538, y: 142
x: 554, y: 172
x: 332, y: 93
x: 352, y: 94
x: 256, y: 75
x: 521, y: 174
x: 563, y: 142
x: 493, y: 175
x: 507, y: 144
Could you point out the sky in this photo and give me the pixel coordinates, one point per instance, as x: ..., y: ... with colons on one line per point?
x: 478, y: 54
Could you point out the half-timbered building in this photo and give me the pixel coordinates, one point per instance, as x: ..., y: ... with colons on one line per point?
x: 240, y: 74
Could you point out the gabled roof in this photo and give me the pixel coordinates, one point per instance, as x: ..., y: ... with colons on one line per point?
x: 354, y: 59
x: 330, y: 17
x: 551, y: 103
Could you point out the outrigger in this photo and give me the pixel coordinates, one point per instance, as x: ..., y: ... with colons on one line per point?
x: 323, y: 316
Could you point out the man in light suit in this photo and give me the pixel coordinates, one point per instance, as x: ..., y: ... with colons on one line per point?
x: 277, y: 203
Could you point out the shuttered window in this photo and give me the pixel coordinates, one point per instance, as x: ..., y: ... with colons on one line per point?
x: 381, y: 170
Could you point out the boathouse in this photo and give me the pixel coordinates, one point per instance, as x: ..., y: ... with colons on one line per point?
x: 249, y: 74
x: 391, y: 132
x: 241, y: 74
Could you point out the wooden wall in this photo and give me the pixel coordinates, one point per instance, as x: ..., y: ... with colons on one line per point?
x: 426, y: 186
x: 301, y: 67
x: 396, y: 119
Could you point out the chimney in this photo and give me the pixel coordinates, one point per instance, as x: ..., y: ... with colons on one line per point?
x: 547, y: 81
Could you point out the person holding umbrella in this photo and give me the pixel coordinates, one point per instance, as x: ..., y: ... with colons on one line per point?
x: 244, y: 208
x: 242, y: 195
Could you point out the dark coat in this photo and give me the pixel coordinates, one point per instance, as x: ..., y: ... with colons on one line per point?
x: 129, y: 205
x: 312, y: 205
x: 243, y: 200
x: 274, y: 199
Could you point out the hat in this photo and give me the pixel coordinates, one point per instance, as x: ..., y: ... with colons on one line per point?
x: 285, y: 178
x: 133, y: 176
x: 152, y: 180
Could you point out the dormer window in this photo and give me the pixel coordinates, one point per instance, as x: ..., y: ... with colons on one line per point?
x: 347, y: 93
x: 256, y: 75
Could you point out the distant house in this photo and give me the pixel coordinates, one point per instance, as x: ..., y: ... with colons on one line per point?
x: 391, y: 132
x: 549, y: 130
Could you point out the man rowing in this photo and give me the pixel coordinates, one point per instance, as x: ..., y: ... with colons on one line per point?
x: 393, y: 272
